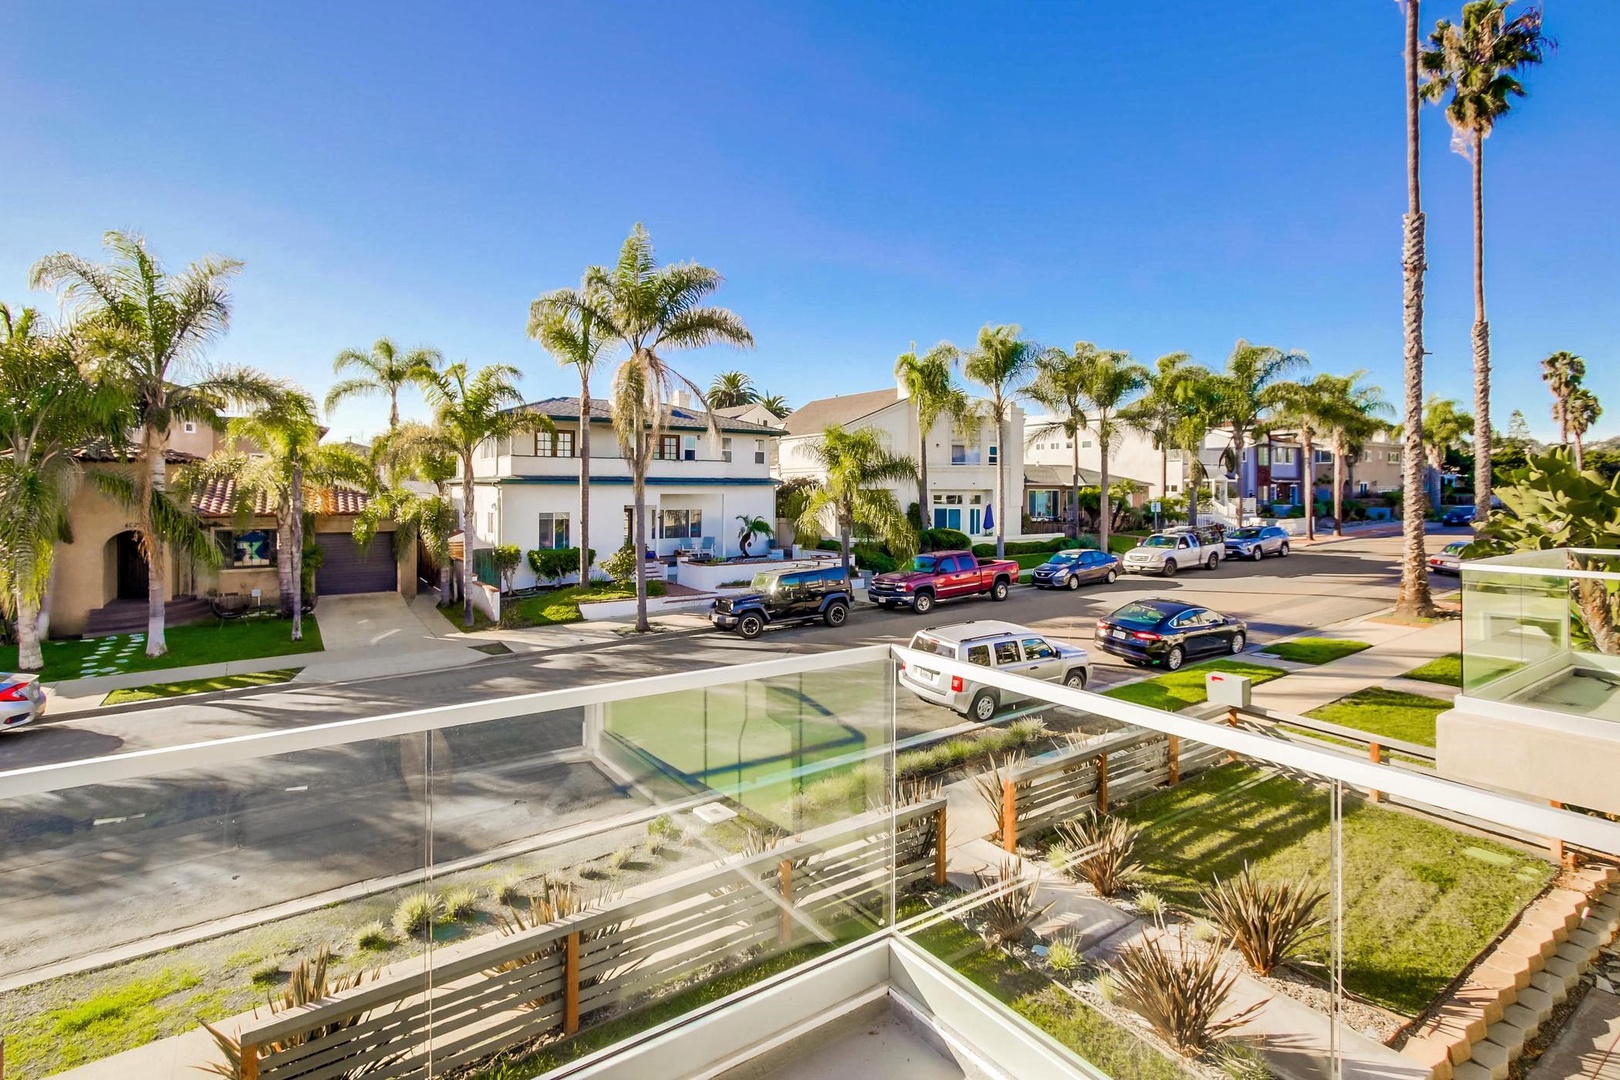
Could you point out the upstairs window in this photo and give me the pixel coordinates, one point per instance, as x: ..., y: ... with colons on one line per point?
x: 669, y: 448
x: 725, y: 449
x: 565, y: 444
x: 688, y: 447
x: 992, y: 455
x: 759, y: 451
x: 963, y: 454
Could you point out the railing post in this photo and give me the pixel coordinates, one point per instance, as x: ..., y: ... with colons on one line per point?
x: 1232, y: 719
x: 1009, y: 816
x: 1375, y: 753
x: 939, y: 848
x: 1102, y: 783
x: 1555, y: 846
x: 1175, y: 760
x: 248, y: 1071
x: 571, y: 983
x: 784, y: 883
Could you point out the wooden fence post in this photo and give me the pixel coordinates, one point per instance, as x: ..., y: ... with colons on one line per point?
x: 1102, y: 783
x: 939, y: 848
x: 248, y: 1071
x: 1231, y: 721
x: 1555, y: 846
x: 1175, y: 760
x: 1009, y: 816
x: 571, y: 983
x: 784, y: 884
x: 1375, y: 753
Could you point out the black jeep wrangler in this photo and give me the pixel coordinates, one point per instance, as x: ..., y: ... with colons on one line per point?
x: 785, y: 596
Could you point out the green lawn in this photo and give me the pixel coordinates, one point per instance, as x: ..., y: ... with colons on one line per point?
x: 1175, y: 690
x: 1421, y: 900
x: 1398, y: 715
x: 200, y: 643
x: 560, y: 606
x: 1445, y: 670
x: 1315, y: 650
x: 154, y: 691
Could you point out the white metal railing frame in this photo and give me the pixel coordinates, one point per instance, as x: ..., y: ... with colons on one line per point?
x: 1506, y: 564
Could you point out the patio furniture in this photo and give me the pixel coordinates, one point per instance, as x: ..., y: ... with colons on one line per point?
x: 229, y: 606
x: 704, y: 553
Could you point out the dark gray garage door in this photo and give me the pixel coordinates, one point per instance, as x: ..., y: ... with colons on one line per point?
x: 344, y: 570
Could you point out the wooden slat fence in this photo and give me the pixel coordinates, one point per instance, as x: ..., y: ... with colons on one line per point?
x: 497, y: 991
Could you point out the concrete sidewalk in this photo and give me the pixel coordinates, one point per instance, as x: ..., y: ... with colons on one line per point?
x: 1396, y: 649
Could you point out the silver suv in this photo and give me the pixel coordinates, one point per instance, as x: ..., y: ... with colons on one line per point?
x: 991, y: 644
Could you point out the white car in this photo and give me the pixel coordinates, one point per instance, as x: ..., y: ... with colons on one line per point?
x: 22, y: 701
x: 1447, y: 559
x: 991, y: 644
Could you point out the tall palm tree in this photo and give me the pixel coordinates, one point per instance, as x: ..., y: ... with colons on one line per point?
x: 386, y: 369
x: 1004, y: 364
x: 1476, y: 63
x: 1354, y: 412
x: 857, y: 470
x: 565, y: 323
x: 1563, y: 372
x: 1413, y: 599
x: 731, y: 389
x: 1199, y: 397
x: 469, y: 409
x: 1308, y: 408
x: 1582, y: 411
x: 421, y: 452
x: 152, y: 329
x: 1110, y: 379
x: 1156, y: 412
x: 1059, y: 387
x: 934, y: 395
x: 651, y: 310
x: 1445, y: 428
x: 52, y: 401
x: 289, y: 472
x: 1250, y: 386
x: 776, y: 405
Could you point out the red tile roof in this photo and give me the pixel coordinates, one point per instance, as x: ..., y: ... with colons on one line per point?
x: 218, y: 499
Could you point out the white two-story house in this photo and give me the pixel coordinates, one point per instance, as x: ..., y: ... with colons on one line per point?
x: 526, y: 489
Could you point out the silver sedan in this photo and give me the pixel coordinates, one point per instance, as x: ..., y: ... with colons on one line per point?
x: 1256, y: 542
x: 22, y: 701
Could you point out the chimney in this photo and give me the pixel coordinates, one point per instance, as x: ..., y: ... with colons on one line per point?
x: 680, y: 399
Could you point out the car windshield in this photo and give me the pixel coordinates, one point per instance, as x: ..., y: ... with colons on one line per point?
x: 924, y: 643
x: 1159, y: 541
x: 924, y: 564
x: 1063, y: 558
x: 1454, y: 549
x: 1244, y: 534
x: 1138, y: 614
x: 762, y: 582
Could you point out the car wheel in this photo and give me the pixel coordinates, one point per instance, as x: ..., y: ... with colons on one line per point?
x: 750, y: 626
x: 1075, y: 679
x: 1238, y: 641
x: 836, y: 614
x: 1283, y: 551
x: 1073, y: 583
x: 922, y: 603
x: 1174, y: 658
x: 1113, y: 576
x: 1169, y: 568
x: 1214, y: 561
x: 984, y: 706
x: 998, y: 591
x: 1258, y: 553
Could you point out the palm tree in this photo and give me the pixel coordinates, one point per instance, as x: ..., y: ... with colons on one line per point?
x: 776, y: 405
x: 51, y: 402
x: 1476, y: 64
x: 1309, y: 409
x: 1199, y: 398
x: 1059, y: 387
x: 422, y: 452
x: 1581, y: 412
x: 1156, y: 412
x: 1563, y: 373
x: 153, y: 329
x: 470, y: 409
x: 1445, y: 428
x: 731, y: 389
x: 565, y: 323
x: 856, y: 468
x: 288, y: 471
x: 750, y: 526
x: 652, y: 309
x: 1249, y: 387
x: 1110, y: 378
x: 1003, y: 363
x: 933, y: 394
x: 383, y: 370
x: 1354, y: 412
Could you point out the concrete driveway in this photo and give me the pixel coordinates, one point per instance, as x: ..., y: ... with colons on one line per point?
x: 369, y: 621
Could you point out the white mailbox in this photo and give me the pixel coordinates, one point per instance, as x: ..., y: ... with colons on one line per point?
x: 1227, y: 689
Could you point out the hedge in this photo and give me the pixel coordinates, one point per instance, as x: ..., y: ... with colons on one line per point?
x: 1027, y: 547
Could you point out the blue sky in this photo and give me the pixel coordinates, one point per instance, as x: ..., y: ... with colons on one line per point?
x: 1151, y: 176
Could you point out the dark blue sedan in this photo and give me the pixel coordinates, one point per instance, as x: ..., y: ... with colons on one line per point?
x: 1169, y: 632
x: 1075, y: 567
x: 1460, y: 515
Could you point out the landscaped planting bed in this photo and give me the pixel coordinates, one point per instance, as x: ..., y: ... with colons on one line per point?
x: 201, y: 643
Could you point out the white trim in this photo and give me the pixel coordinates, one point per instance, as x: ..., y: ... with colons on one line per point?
x: 1500, y: 564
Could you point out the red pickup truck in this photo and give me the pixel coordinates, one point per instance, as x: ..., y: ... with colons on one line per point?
x: 943, y: 575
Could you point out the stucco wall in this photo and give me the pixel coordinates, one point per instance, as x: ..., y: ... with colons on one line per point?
x: 1554, y: 760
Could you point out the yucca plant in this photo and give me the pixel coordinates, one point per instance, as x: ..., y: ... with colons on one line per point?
x: 1101, y: 846
x: 992, y: 783
x: 1268, y: 922
x: 1063, y: 955
x: 418, y: 913
x: 1184, y: 995
x: 1012, y: 910
x: 460, y: 904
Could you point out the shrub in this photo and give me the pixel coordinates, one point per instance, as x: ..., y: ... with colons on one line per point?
x: 830, y: 543
x: 1012, y: 910
x: 266, y: 973
x: 654, y: 845
x: 1183, y: 996
x: 1268, y: 922
x: 507, y: 889
x: 1240, y: 1061
x: 622, y: 858
x: 663, y: 826
x: 621, y: 565
x: 554, y: 564
x: 417, y: 913
x: 1102, y: 847
x: 874, y: 558
x: 507, y: 558
x: 373, y: 937
x: 1152, y: 905
x: 1063, y: 955
x: 459, y: 904
x: 943, y: 540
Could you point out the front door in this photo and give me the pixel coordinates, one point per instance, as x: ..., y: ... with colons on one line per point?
x: 133, y: 579
x: 948, y: 518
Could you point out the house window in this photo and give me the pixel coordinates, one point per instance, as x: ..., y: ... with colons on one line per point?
x: 1323, y: 457
x: 553, y: 532
x: 250, y: 548
x: 725, y: 449
x: 486, y: 449
x: 542, y: 444
x: 681, y: 524
x: 189, y: 427
x: 1262, y: 455
x: 1174, y: 488
x: 1085, y: 444
x: 688, y: 447
x: 759, y: 451
x: 565, y: 444
x: 1285, y: 455
x: 1394, y: 457
x: 1043, y: 504
x: 669, y: 447
x: 992, y: 459
x: 962, y: 454
x: 489, y: 524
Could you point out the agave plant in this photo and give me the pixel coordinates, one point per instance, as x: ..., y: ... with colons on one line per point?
x: 1101, y: 846
x: 1184, y: 996
x: 1012, y: 909
x: 1268, y: 922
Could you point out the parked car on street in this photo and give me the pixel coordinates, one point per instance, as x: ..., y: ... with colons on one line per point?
x: 1172, y: 550
x: 789, y: 595
x: 22, y: 701
x: 991, y: 644
x: 1256, y: 542
x: 943, y: 575
x: 1448, y: 559
x: 1460, y: 515
x: 1169, y: 632
x: 1075, y: 567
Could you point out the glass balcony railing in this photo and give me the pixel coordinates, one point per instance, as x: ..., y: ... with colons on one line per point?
x: 521, y: 887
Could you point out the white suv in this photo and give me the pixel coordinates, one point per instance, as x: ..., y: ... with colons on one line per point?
x: 991, y: 644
